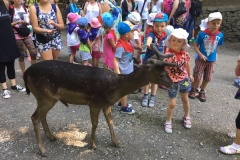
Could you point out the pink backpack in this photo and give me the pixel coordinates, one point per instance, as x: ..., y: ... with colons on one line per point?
x: 168, y: 6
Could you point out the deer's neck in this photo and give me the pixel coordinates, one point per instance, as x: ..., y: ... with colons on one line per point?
x: 132, y: 82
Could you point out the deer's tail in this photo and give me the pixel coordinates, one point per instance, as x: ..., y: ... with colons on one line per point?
x: 25, y: 82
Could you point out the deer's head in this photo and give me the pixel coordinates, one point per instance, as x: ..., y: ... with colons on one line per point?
x: 157, y: 68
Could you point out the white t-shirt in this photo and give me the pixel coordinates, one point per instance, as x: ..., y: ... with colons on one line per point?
x: 157, y: 8
x: 145, y: 9
x: 92, y: 11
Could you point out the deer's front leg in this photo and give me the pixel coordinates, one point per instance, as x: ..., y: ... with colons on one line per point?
x: 94, y: 113
x: 36, y: 124
x: 108, y: 115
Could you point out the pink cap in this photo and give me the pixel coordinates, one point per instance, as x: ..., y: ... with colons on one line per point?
x: 95, y: 23
x: 72, y: 17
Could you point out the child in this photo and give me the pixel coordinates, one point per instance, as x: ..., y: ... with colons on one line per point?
x: 135, y: 19
x: 234, y: 148
x: 237, y: 73
x: 123, y: 61
x: 157, y: 36
x: 206, y: 46
x: 85, y: 44
x: 109, y: 44
x: 96, y: 54
x: 72, y: 39
x: 177, y: 44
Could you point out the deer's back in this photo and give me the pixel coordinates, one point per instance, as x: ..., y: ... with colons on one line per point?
x: 57, y: 78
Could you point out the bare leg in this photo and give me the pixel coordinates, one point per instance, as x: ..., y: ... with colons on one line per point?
x: 55, y: 54
x: 123, y: 101
x: 71, y: 58
x: 22, y: 65
x: 108, y: 115
x: 146, y: 89
x: 171, y: 105
x: 186, y: 105
x: 47, y: 55
x: 154, y: 88
x: 204, y: 85
x: 85, y: 62
x: 4, y: 85
x: 94, y: 113
x: 13, y: 82
x: 237, y: 139
x: 95, y: 62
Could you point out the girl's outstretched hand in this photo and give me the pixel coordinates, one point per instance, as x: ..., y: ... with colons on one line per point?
x: 191, y: 78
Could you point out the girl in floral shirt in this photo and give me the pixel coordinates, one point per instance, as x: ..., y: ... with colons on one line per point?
x: 180, y: 75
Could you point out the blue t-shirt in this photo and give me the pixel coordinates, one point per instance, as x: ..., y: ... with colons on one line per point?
x: 209, y: 48
x: 160, y: 46
x: 73, y: 7
x: 125, y: 60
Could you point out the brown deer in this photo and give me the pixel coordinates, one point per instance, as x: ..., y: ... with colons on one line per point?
x: 52, y: 81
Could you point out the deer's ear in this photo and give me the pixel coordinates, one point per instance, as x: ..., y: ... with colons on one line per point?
x: 168, y: 64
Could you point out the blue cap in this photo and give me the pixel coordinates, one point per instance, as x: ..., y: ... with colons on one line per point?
x: 107, y: 19
x: 161, y: 17
x: 125, y: 27
x: 82, y: 21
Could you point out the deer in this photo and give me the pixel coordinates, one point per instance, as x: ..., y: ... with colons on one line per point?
x: 52, y: 81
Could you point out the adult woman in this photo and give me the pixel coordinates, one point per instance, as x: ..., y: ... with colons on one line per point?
x: 127, y: 7
x: 179, y: 22
x: 8, y: 51
x: 17, y: 16
x: 92, y: 9
x: 143, y: 9
x: 47, y: 22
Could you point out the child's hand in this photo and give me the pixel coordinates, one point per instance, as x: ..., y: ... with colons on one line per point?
x: 191, y: 78
x: 76, y: 29
x: 203, y: 57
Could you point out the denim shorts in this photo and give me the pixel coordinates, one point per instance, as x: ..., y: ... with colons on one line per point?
x: 183, y: 86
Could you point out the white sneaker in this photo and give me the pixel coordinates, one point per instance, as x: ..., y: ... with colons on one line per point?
x: 19, y: 88
x: 6, y: 94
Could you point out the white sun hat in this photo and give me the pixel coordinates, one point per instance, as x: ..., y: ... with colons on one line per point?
x: 150, y: 18
x: 134, y: 17
x: 203, y: 24
x: 214, y: 15
x: 180, y: 34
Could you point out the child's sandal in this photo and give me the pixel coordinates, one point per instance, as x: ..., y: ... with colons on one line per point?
x: 187, y: 123
x: 168, y: 127
x: 230, y: 150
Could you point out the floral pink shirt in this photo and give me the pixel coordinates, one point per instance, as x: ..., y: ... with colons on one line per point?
x: 179, y: 72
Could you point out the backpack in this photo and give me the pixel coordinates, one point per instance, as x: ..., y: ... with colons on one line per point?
x: 167, y: 6
x: 12, y: 11
x: 196, y: 8
x: 37, y: 8
x: 24, y: 31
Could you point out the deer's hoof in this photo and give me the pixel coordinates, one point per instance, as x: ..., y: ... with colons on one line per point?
x: 117, y: 145
x: 43, y: 152
x: 92, y: 146
x: 52, y: 138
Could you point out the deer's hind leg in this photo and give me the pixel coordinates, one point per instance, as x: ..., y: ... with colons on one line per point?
x: 94, y: 113
x: 44, y: 105
x: 108, y: 115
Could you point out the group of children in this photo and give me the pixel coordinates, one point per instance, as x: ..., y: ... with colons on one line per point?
x: 118, y: 54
